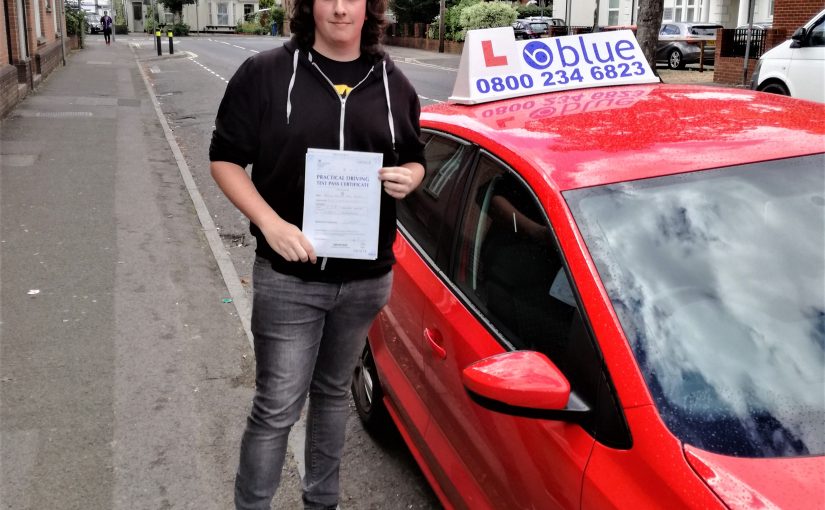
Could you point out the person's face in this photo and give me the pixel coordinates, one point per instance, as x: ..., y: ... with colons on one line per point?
x: 338, y: 24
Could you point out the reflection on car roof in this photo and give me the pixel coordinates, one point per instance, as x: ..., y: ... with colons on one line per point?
x: 596, y: 136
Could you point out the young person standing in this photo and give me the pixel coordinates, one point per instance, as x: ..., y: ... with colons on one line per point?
x: 106, y: 24
x: 330, y: 87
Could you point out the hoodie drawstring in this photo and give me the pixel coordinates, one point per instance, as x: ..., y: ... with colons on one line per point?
x: 291, y: 83
x: 389, y: 105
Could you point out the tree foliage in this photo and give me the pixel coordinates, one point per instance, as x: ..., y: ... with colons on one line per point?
x: 75, y: 19
x: 175, y: 6
x: 414, y: 11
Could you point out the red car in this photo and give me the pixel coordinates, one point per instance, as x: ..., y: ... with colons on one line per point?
x: 611, y: 298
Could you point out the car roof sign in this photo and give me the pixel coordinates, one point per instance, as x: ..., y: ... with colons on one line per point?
x: 496, y: 66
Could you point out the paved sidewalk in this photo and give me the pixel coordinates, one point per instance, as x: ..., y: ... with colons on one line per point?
x: 124, y: 376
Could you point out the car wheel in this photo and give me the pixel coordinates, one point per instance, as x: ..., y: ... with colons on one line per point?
x: 367, y: 394
x: 674, y: 59
x: 774, y: 87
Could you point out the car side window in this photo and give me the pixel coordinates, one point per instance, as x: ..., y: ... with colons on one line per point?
x: 421, y: 212
x: 669, y: 30
x: 509, y: 267
x: 817, y: 34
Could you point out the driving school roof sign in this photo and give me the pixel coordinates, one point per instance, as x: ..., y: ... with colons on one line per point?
x: 496, y: 66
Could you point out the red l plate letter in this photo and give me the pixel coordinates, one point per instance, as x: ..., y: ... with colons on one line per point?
x: 491, y: 60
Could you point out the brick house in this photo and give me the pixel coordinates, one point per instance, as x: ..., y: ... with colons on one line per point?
x: 30, y: 47
x: 787, y: 16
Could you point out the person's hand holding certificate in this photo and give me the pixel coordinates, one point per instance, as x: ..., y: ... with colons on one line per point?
x: 342, y: 203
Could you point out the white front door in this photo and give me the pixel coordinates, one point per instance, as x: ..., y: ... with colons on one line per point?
x: 137, y: 17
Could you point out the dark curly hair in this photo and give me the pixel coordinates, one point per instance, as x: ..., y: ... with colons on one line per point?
x: 302, y: 25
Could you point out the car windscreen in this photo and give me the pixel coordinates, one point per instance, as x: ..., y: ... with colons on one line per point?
x: 705, y: 31
x: 718, y: 280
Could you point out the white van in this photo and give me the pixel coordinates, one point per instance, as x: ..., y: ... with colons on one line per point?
x: 796, y: 67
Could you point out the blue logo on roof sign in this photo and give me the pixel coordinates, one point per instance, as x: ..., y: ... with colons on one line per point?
x: 537, y: 55
x: 496, y: 66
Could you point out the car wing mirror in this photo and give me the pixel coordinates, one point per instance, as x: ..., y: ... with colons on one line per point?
x: 799, y: 37
x: 523, y: 383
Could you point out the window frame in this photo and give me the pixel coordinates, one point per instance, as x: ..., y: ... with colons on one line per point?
x: 436, y: 261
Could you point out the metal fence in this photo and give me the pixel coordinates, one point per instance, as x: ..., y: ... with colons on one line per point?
x: 735, y: 41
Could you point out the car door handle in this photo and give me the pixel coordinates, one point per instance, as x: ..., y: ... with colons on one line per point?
x: 434, y: 339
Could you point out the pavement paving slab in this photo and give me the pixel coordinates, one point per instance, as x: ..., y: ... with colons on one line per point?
x: 124, y: 377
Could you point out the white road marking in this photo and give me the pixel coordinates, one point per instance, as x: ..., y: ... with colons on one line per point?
x: 412, y: 61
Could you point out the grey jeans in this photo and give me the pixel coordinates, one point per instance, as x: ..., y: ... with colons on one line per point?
x: 308, y: 336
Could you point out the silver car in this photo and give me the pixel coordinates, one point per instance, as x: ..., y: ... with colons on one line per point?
x: 681, y: 44
x: 93, y: 23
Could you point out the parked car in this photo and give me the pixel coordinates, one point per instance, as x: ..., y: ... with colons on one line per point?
x: 553, y: 22
x: 93, y: 23
x: 608, y: 297
x: 796, y: 67
x: 557, y: 25
x: 681, y: 44
x: 525, y: 29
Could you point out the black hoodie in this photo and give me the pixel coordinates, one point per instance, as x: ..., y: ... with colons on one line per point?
x: 276, y: 107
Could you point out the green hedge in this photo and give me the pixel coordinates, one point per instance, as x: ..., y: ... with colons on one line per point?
x: 487, y: 15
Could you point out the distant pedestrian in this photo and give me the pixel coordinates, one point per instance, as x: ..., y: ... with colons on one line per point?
x: 106, y: 24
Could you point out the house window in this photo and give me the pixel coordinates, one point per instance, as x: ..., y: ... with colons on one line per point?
x: 247, y: 10
x: 38, y: 30
x: 678, y: 11
x: 667, y: 15
x: 613, y: 12
x: 690, y: 13
x: 223, y: 13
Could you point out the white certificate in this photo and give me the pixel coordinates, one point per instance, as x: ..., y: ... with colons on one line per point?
x: 342, y: 203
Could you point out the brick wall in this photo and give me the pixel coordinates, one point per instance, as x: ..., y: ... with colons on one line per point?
x: 728, y: 70
x: 14, y: 28
x: 45, y: 52
x: 4, y: 49
x: 789, y: 15
x: 48, y: 11
x: 422, y: 43
x: 8, y: 88
x: 48, y: 58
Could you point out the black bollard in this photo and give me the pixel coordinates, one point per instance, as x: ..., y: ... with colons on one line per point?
x: 157, y: 40
x: 171, y: 45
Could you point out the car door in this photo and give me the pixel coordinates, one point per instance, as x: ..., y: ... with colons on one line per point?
x: 396, y: 335
x: 806, y: 71
x: 507, y: 289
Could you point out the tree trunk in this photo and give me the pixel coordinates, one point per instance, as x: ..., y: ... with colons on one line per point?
x: 648, y: 26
